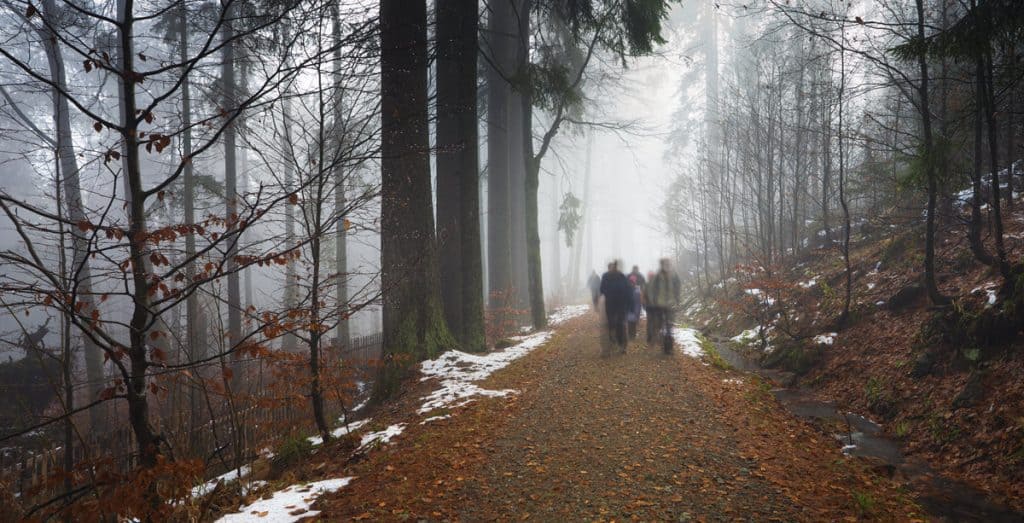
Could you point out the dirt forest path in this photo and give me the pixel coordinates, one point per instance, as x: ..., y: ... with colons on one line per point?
x: 640, y: 436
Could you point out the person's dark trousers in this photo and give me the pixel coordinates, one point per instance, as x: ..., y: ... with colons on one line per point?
x: 656, y: 318
x: 666, y: 318
x: 653, y: 319
x: 617, y: 328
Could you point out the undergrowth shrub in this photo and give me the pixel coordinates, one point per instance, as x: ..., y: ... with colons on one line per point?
x: 969, y: 330
x: 712, y: 355
x: 292, y: 450
x: 797, y: 356
x: 878, y: 397
x: 865, y: 503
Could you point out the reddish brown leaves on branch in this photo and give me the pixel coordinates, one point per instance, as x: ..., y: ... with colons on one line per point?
x: 157, y: 141
x: 158, y: 355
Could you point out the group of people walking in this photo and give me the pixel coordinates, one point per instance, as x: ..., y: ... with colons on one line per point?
x: 627, y: 296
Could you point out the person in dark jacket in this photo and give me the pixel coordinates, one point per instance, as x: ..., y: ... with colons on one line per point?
x: 652, y: 324
x: 618, y: 297
x: 594, y: 284
x: 640, y: 280
x: 633, y: 315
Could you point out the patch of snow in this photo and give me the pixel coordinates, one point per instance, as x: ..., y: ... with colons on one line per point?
x: 227, y: 477
x: 809, y: 283
x: 747, y: 336
x: 287, y: 505
x: 991, y: 298
x: 564, y: 314
x: 765, y: 298
x: 435, y: 418
x: 689, y: 341
x: 734, y: 381
x: 694, y: 309
x: 382, y: 436
x: 457, y: 372
x: 826, y: 339
x: 871, y: 286
x: 340, y: 431
x: 984, y: 286
x: 253, y: 485
x: 722, y: 283
x: 879, y: 303
x: 360, y: 407
x: 847, y: 449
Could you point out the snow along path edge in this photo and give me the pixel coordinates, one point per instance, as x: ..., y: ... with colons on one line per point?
x: 288, y: 504
x: 455, y: 369
x: 459, y: 371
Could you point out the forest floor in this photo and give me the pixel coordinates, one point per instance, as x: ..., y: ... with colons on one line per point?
x: 640, y: 436
x: 957, y: 406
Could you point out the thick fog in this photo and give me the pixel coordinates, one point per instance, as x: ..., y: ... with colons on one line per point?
x: 631, y: 159
x: 210, y: 210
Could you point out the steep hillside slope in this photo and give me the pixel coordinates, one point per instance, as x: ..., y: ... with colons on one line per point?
x: 957, y: 401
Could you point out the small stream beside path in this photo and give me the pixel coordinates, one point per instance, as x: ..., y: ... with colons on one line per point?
x: 943, y: 499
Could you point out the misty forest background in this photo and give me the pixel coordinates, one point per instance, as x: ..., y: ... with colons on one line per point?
x: 224, y: 218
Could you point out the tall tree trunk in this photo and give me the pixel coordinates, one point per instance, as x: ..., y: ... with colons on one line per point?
x: 414, y: 326
x: 799, y: 170
x: 314, y: 217
x: 137, y: 390
x: 457, y: 171
x: 781, y: 211
x: 519, y: 131
x: 576, y: 257
x: 231, y: 181
x: 316, y: 396
x: 555, y: 272
x: 928, y: 151
x: 976, y: 223
x: 243, y: 162
x: 80, y: 267
x: 501, y: 47
x: 195, y: 350
x: 826, y: 159
x: 989, y: 102
x: 291, y: 287
x: 340, y: 236
x: 768, y: 212
x: 1011, y: 99
x: 848, y: 295
x: 712, y: 127
x: 534, y: 267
